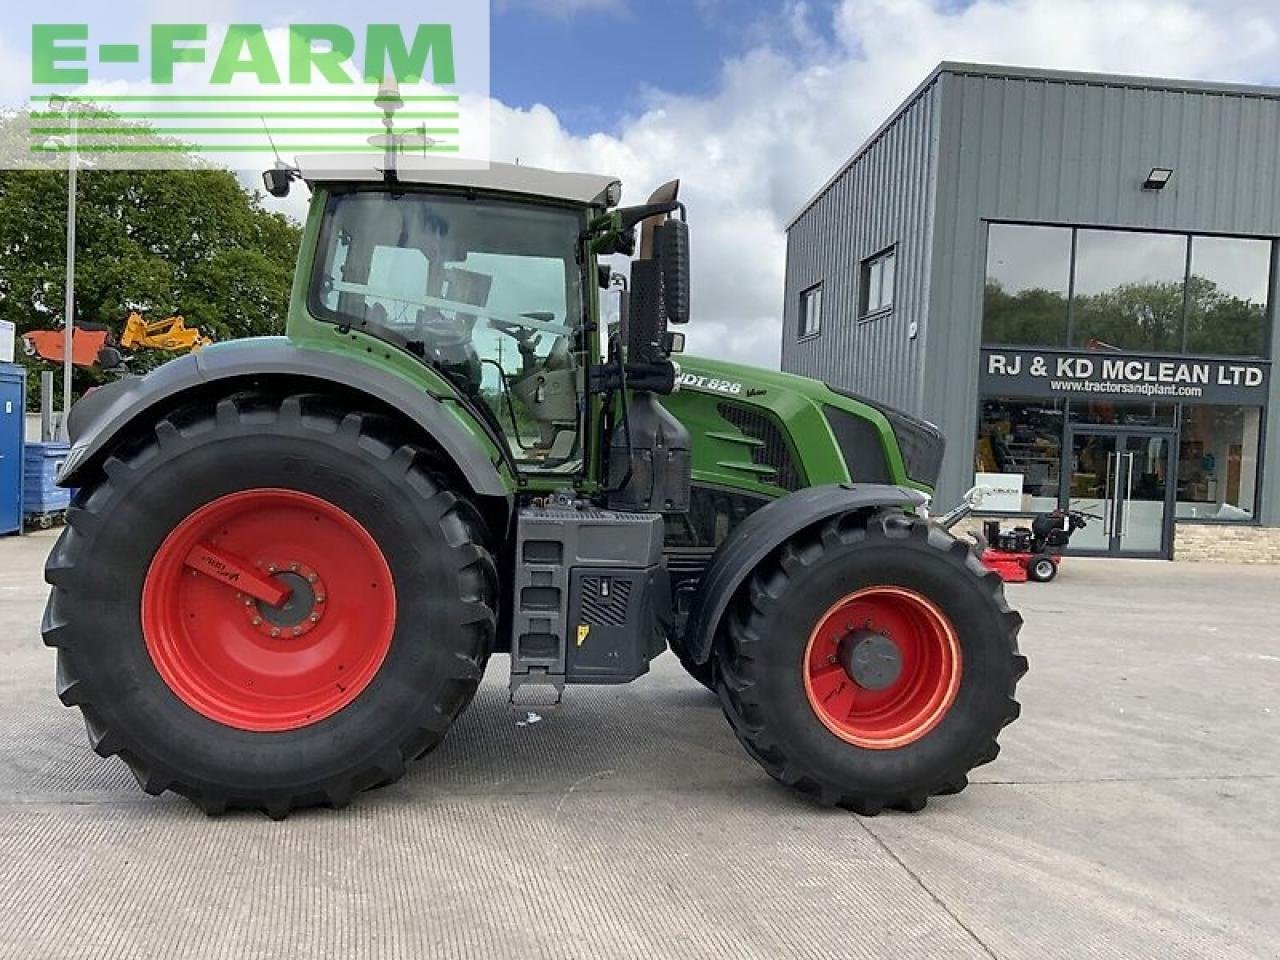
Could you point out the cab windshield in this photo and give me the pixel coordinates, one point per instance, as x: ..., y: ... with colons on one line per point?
x: 488, y: 292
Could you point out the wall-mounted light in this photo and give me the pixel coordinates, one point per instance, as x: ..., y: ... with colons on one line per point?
x: 1158, y: 178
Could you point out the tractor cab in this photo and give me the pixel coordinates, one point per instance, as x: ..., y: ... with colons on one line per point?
x: 491, y: 278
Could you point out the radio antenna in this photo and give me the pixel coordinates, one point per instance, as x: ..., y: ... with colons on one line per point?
x: 279, y: 162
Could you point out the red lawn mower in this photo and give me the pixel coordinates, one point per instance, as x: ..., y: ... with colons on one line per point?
x: 1023, y: 553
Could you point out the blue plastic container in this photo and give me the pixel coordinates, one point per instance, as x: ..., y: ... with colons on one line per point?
x: 12, y: 406
x: 41, y: 493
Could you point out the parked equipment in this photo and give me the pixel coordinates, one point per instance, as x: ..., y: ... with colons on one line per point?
x: 342, y: 526
x: 1023, y: 553
x: 171, y: 335
x: 87, y: 345
x: 93, y: 345
x: 1031, y: 553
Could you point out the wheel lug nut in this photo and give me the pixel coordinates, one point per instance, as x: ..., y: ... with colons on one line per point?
x: 311, y: 578
x: 293, y: 567
x: 320, y: 599
x: 315, y: 618
x: 271, y: 568
x: 275, y: 633
x: 257, y: 621
x: 297, y: 631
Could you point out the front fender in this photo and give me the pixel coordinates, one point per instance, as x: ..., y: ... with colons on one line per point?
x: 763, y: 531
x: 101, y: 417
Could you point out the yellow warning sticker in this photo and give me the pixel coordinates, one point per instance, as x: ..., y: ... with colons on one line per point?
x: 583, y: 633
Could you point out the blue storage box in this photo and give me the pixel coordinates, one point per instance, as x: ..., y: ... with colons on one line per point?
x: 41, y: 494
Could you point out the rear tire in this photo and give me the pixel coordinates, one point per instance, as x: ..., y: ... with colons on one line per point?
x: 181, y: 724
x: 928, y: 725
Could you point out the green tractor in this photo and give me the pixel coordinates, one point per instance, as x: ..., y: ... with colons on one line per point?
x: 289, y: 559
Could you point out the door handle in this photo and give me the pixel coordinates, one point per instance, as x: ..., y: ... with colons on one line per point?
x: 1109, y: 504
x: 1128, y: 496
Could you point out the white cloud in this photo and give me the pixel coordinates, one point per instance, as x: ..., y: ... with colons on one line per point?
x: 779, y: 124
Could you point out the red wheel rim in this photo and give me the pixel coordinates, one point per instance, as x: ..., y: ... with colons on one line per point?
x: 244, y: 663
x: 882, y: 668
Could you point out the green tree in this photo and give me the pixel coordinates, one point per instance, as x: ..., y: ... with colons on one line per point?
x: 1219, y: 323
x: 1032, y: 317
x: 192, y: 242
x: 1133, y: 316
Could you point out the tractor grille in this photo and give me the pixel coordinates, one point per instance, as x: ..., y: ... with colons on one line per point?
x: 775, y: 452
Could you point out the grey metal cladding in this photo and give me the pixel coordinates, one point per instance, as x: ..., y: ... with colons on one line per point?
x: 883, y: 198
x: 1063, y: 148
x: 977, y: 143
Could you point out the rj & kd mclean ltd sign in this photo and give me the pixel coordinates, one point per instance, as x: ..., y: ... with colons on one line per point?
x: 1038, y: 373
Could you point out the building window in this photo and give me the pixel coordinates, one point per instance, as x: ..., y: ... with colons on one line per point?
x: 879, y: 277
x: 811, y: 312
x: 1028, y: 285
x: 1126, y: 290
x: 1227, y: 295
x: 1130, y: 291
x: 1020, y: 444
x: 1218, y: 463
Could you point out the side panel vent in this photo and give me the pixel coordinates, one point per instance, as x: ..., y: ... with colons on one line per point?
x: 774, y: 451
x: 860, y: 445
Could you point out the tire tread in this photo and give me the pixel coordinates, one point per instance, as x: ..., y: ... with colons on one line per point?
x: 742, y: 629
x: 462, y: 531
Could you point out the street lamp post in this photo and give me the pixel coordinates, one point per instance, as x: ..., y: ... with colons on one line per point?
x: 68, y: 332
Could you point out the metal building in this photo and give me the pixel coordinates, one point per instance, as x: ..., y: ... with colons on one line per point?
x: 1075, y: 276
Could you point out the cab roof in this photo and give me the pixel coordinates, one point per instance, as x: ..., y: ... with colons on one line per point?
x: 588, y: 189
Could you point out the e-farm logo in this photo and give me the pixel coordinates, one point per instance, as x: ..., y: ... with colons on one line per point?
x: 246, y: 93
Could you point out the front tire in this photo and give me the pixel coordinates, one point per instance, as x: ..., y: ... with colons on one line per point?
x: 871, y: 663
x: 202, y: 690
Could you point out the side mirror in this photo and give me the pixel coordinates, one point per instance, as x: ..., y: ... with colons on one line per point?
x: 672, y: 242
x: 278, y: 181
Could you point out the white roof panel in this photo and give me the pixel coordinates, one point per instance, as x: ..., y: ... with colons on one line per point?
x: 584, y: 188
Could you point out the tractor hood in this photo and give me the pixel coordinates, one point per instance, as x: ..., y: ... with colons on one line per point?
x: 913, y: 448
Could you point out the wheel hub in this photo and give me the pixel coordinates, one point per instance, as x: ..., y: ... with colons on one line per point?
x: 882, y: 667
x: 871, y: 659
x: 300, y: 613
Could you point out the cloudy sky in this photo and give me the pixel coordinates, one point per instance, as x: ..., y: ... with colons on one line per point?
x: 754, y: 103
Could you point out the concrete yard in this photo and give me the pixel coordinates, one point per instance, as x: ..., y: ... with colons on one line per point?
x: 1134, y: 812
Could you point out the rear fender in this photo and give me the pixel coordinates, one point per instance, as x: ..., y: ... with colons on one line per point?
x: 103, y: 416
x: 762, y: 532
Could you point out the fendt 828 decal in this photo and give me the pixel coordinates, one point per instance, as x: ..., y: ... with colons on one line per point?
x: 695, y: 381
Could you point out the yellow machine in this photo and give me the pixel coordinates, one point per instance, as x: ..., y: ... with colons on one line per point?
x: 171, y: 334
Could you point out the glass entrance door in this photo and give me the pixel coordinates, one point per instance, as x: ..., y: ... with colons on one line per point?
x: 1123, y: 479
